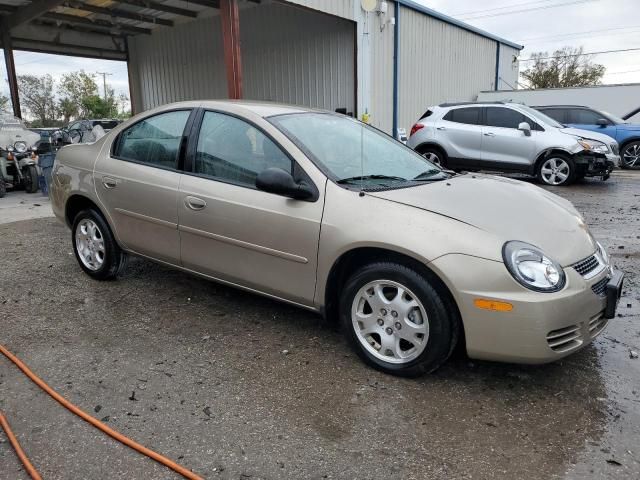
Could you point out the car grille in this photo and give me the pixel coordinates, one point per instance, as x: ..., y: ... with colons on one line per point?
x: 564, y: 339
x: 614, y: 148
x: 596, y: 325
x: 600, y: 287
x: 586, y: 266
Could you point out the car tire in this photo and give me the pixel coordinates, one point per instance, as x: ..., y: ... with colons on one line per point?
x: 630, y: 155
x: 95, y: 247
x: 434, y: 155
x: 30, y: 181
x: 3, y: 188
x: 418, y: 326
x: 557, y: 170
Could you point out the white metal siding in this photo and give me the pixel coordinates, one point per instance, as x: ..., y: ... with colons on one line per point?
x: 289, y: 55
x: 509, y: 68
x: 440, y: 62
x: 297, y: 56
x: 340, y: 8
x: 381, y: 75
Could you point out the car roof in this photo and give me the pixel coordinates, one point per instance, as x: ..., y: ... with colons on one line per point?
x: 561, y: 106
x: 457, y: 104
x: 264, y: 109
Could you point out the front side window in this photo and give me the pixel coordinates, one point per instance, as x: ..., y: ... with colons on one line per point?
x: 468, y: 115
x: 352, y: 153
x: 504, y: 117
x: 232, y: 150
x: 584, y: 117
x: 557, y: 114
x: 154, y: 140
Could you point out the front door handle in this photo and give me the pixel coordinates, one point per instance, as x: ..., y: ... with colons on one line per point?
x: 109, y: 182
x: 194, y: 203
x: 489, y: 134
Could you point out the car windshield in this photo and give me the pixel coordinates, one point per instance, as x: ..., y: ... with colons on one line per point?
x: 352, y: 153
x: 614, y: 118
x: 547, y: 120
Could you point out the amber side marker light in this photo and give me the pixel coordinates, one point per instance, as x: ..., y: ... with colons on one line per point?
x: 492, y: 305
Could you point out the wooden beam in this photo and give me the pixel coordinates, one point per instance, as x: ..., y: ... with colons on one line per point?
x: 30, y: 12
x: 102, y: 25
x: 115, y: 13
x: 160, y: 7
x: 11, y: 68
x: 230, y: 18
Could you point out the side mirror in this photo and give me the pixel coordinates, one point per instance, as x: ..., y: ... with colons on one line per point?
x: 525, y: 128
x: 602, y: 122
x: 276, y: 180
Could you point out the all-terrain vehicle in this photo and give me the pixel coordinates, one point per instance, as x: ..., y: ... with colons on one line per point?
x: 18, y: 155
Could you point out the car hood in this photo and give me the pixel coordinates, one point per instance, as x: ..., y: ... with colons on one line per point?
x: 629, y: 127
x: 508, y: 209
x: 577, y: 132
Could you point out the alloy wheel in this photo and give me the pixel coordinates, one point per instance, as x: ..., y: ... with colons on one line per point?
x: 433, y: 158
x: 555, y: 171
x: 90, y: 244
x: 390, y: 321
x: 631, y: 155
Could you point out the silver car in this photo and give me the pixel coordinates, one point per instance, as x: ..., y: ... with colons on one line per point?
x: 510, y: 137
x: 319, y: 210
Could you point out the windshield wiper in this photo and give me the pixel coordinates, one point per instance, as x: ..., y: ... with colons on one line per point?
x: 429, y: 175
x: 371, y: 177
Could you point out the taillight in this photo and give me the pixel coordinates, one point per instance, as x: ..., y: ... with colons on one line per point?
x: 415, y: 128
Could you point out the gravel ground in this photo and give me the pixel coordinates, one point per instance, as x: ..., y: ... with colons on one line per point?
x: 236, y: 386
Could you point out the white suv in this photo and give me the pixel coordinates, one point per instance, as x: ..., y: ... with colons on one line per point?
x: 510, y: 137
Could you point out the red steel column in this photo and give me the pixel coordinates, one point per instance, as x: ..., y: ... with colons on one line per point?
x: 230, y: 18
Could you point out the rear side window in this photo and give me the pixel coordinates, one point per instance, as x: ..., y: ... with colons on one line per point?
x: 582, y: 116
x: 469, y: 115
x: 154, y: 140
x: 504, y: 118
x: 558, y: 114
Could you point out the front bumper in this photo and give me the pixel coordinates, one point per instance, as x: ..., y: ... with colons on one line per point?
x: 541, y: 327
x: 596, y: 164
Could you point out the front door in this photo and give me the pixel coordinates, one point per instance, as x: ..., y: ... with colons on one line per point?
x: 504, y: 146
x: 234, y: 232
x: 138, y: 184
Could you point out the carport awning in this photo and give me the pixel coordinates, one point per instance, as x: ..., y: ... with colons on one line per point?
x: 97, y: 28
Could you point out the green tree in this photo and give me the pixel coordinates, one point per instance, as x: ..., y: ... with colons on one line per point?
x: 36, y: 94
x: 5, y: 104
x: 76, y: 87
x: 96, y: 107
x: 567, y: 67
x: 67, y: 109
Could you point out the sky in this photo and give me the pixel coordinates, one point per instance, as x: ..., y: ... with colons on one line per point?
x: 547, y: 25
x: 540, y: 25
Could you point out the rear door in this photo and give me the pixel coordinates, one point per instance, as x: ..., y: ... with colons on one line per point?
x: 503, y: 145
x: 234, y: 232
x: 460, y: 133
x: 138, y: 180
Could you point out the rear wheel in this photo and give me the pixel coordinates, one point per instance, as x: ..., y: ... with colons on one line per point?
x: 557, y: 170
x: 434, y: 155
x: 30, y: 178
x: 3, y: 188
x: 95, y: 247
x: 630, y: 155
x: 396, y: 320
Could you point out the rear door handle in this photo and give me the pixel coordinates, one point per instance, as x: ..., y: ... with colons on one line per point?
x: 489, y: 134
x: 194, y: 203
x: 109, y: 182
x: 441, y: 128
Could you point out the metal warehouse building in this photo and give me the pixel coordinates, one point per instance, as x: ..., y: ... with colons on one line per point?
x: 387, y: 62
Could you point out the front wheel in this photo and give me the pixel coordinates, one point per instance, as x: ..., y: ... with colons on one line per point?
x: 95, y: 247
x: 557, y: 170
x: 396, y: 320
x: 630, y: 155
x: 30, y: 178
x: 3, y: 187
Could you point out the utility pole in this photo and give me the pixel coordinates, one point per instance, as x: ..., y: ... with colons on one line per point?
x: 104, y: 84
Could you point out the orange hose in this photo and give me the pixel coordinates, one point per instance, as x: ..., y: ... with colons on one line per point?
x: 16, y: 446
x: 96, y: 423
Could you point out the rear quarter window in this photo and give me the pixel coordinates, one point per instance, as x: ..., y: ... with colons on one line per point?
x: 469, y: 115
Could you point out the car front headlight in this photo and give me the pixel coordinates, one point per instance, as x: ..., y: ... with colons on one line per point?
x: 593, y: 145
x: 20, y: 146
x: 532, y: 268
